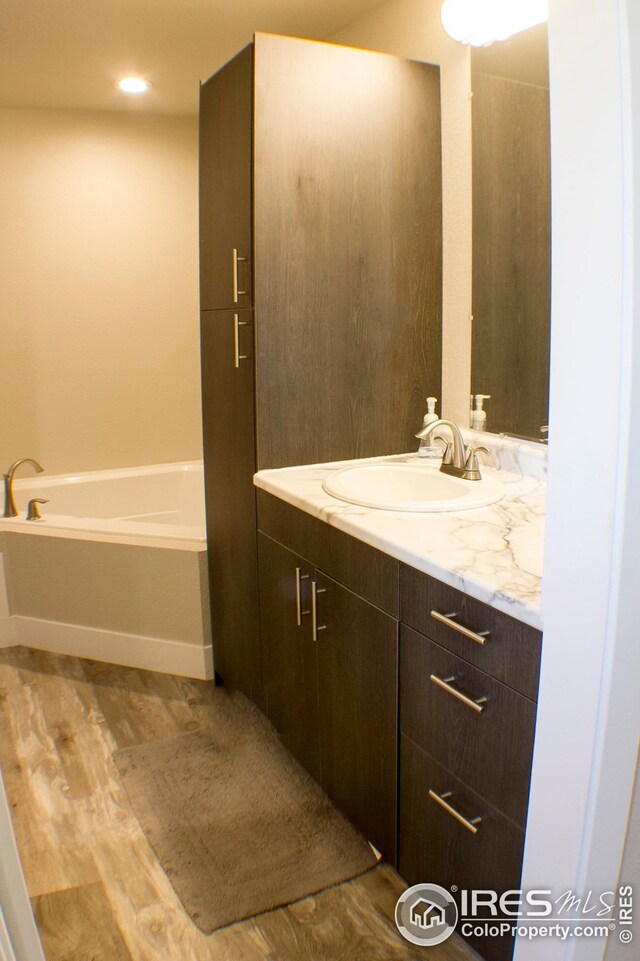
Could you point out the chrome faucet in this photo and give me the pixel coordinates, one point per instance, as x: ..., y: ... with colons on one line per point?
x: 458, y: 460
x: 10, y: 509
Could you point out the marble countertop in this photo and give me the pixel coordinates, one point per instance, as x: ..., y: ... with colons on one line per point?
x: 492, y: 553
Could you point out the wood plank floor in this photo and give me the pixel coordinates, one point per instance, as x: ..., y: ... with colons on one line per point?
x: 98, y: 891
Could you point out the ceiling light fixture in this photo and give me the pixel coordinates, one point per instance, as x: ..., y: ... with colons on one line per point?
x: 133, y: 85
x: 481, y: 22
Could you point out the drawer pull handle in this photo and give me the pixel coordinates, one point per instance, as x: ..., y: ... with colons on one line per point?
x: 450, y: 620
x: 441, y: 799
x: 299, y: 612
x: 315, y: 627
x: 448, y: 684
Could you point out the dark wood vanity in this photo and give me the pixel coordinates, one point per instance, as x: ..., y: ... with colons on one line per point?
x: 421, y: 734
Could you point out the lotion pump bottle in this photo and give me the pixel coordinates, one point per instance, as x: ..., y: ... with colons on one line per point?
x: 479, y: 416
x: 427, y: 448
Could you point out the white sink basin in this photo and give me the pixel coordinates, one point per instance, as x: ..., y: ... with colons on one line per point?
x: 409, y: 487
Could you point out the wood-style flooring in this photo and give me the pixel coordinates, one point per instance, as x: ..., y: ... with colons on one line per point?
x: 97, y: 889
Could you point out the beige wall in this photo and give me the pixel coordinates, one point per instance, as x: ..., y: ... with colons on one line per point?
x: 412, y: 28
x: 98, y: 289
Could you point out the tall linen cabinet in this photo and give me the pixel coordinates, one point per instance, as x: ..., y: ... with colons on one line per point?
x: 320, y: 285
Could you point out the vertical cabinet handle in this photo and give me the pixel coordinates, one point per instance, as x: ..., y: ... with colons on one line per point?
x: 315, y: 627
x: 299, y: 612
x: 237, y: 324
x: 237, y: 259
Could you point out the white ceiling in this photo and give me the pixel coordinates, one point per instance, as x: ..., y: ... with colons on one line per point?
x: 70, y: 53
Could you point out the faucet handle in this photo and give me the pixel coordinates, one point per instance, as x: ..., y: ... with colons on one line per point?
x: 471, y: 463
x: 447, y: 454
x: 33, y: 511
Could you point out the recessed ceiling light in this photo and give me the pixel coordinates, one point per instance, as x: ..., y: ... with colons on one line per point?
x: 133, y: 85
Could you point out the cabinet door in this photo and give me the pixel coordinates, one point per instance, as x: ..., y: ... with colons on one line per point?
x: 348, y: 250
x: 288, y: 652
x: 357, y: 651
x: 226, y: 118
x: 229, y: 464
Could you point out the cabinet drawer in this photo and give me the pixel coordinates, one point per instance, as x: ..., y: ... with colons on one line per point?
x: 511, y: 649
x: 363, y: 569
x: 488, y: 746
x: 435, y: 847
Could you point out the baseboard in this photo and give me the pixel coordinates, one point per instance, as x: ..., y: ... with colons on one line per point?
x: 128, y: 650
x: 8, y: 632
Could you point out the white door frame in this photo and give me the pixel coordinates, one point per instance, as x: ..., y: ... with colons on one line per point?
x: 19, y: 923
x: 589, y: 703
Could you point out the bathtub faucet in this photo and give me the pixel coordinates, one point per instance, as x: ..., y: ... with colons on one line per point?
x: 10, y: 509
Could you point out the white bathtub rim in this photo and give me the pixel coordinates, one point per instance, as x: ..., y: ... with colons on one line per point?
x: 108, y: 530
x: 90, y: 529
x: 56, y: 480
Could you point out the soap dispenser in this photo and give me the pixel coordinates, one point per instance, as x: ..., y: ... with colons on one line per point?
x: 427, y: 449
x: 479, y: 415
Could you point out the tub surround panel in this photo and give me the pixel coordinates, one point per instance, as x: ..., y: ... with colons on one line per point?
x: 116, y: 587
x: 491, y: 553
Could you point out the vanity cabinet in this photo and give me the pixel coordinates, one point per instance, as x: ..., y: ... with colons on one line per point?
x: 330, y: 663
x: 321, y: 228
x: 388, y: 684
x: 468, y: 683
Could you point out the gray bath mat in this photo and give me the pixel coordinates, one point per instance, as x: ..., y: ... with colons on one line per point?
x: 237, y: 825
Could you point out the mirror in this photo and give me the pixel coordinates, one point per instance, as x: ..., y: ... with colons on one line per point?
x: 511, y: 196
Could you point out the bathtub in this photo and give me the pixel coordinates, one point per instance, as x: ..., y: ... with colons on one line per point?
x: 116, y: 570
x: 159, y: 506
